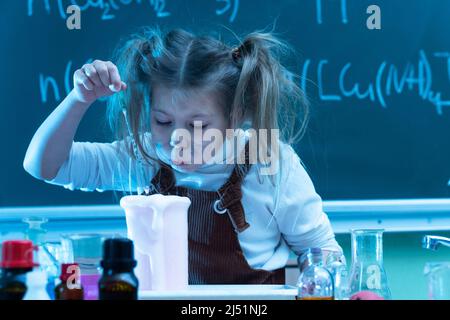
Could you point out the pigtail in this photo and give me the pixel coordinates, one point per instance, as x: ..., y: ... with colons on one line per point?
x: 267, y: 93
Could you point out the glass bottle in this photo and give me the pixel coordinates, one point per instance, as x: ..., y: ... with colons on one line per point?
x: 86, y: 250
x: 17, y: 261
x: 70, y: 287
x: 118, y: 281
x: 37, y: 285
x: 315, y: 282
x: 47, y: 262
x: 336, y: 265
x: 367, y: 272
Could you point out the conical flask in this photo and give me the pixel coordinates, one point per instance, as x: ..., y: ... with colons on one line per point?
x: 367, y: 271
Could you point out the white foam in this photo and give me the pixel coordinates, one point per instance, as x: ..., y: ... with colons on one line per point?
x: 158, y: 226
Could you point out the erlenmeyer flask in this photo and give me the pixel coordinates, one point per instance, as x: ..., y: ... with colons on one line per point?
x: 438, y: 275
x: 367, y: 272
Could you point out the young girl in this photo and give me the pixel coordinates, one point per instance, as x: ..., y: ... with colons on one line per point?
x: 242, y: 224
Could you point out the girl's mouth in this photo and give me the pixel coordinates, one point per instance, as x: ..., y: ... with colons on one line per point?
x: 165, y: 156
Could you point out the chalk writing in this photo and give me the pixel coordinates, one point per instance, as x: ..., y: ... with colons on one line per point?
x: 107, y: 7
x: 229, y: 5
x: 389, y: 79
x: 445, y: 55
x: 319, y: 14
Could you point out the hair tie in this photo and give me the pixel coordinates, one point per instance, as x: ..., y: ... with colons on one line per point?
x: 236, y: 53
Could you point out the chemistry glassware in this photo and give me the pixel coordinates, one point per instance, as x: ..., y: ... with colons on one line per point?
x: 367, y: 271
x: 35, y: 232
x: 336, y: 265
x: 438, y: 278
x: 118, y: 281
x: 86, y: 250
x: 47, y: 261
x: 315, y: 282
x: 158, y: 226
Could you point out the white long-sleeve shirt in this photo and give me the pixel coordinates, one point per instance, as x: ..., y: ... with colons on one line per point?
x: 284, y: 216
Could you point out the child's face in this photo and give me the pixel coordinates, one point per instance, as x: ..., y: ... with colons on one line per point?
x: 174, y: 109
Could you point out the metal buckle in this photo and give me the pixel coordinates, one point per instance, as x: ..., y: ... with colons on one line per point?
x: 217, y: 208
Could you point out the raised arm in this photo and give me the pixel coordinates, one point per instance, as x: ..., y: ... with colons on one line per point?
x: 52, y: 142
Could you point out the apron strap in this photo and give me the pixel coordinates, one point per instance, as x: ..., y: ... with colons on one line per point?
x: 231, y: 194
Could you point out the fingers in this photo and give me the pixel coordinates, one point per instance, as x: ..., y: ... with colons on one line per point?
x: 91, y: 73
x: 114, y: 77
x: 102, y: 71
x: 82, y: 79
x: 103, y: 74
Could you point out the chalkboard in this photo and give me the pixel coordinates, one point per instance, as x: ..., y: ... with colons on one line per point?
x: 380, y: 99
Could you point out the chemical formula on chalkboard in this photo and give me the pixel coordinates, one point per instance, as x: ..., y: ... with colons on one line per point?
x: 109, y: 8
x: 388, y: 79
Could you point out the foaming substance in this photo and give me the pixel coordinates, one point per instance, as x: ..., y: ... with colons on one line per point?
x: 158, y: 226
x: 141, y: 184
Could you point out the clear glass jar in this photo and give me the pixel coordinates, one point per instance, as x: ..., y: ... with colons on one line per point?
x: 47, y: 261
x: 315, y: 281
x: 336, y: 265
x: 367, y: 272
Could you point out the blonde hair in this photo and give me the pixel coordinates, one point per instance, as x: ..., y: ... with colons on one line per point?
x: 249, y: 78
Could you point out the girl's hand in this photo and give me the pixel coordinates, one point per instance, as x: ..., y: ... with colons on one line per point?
x: 95, y: 80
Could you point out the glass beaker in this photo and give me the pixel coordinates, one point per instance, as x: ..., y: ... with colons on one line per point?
x: 367, y: 271
x: 86, y: 250
x: 438, y: 276
x: 158, y: 226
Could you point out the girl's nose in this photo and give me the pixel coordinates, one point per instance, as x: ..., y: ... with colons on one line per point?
x: 176, y: 137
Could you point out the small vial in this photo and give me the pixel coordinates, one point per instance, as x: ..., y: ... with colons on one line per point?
x: 118, y: 281
x: 315, y: 282
x: 70, y: 287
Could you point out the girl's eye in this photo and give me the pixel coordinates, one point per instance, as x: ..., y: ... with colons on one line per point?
x: 203, y: 126
x: 163, y: 123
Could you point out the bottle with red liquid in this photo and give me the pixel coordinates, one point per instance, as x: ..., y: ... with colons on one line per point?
x: 70, y: 287
x: 17, y: 261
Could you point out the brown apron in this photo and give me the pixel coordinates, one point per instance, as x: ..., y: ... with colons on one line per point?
x: 214, y: 219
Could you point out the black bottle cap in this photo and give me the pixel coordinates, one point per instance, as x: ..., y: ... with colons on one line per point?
x: 118, y: 253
